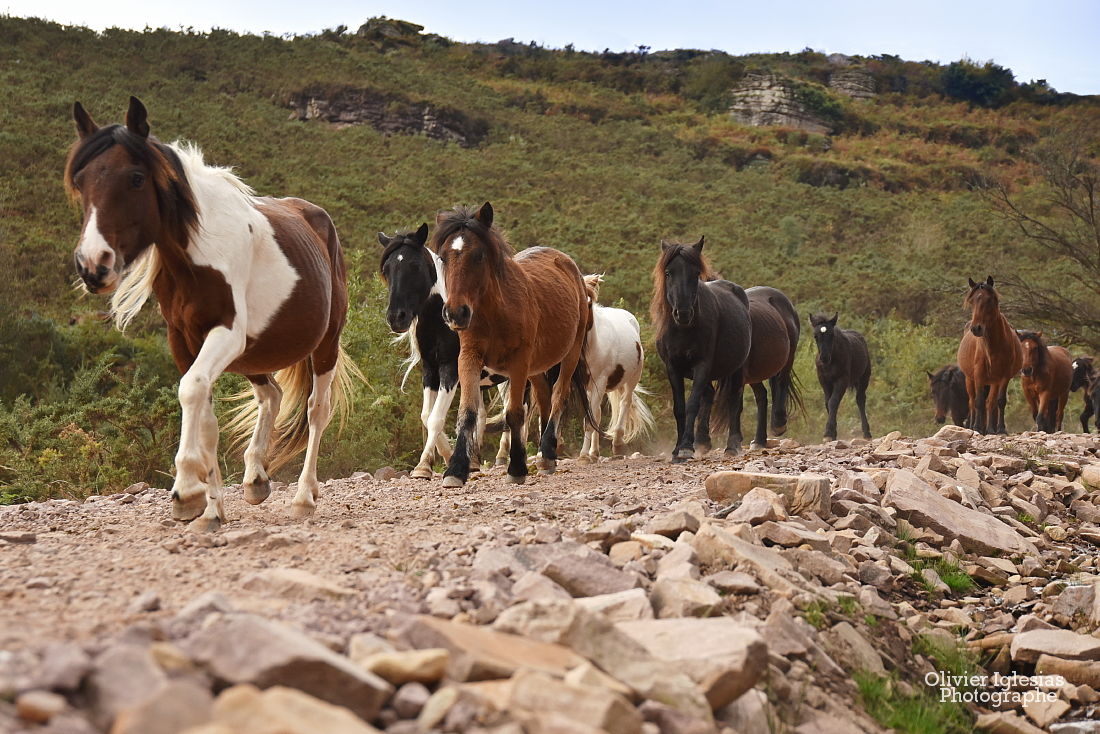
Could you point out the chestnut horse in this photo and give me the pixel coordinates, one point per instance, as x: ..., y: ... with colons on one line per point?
x: 948, y: 386
x: 990, y: 355
x: 1045, y: 378
x: 1085, y: 377
x: 775, y: 333
x: 517, y: 315
x: 703, y: 333
x: 246, y: 284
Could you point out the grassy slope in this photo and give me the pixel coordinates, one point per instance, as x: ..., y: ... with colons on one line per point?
x: 889, y: 254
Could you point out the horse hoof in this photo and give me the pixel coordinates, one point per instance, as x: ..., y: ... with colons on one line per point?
x: 547, y: 467
x: 186, y: 510
x: 702, y: 449
x: 257, y: 492
x: 301, y: 511
x: 453, y: 482
x: 500, y: 462
x: 585, y: 459
x: 421, y: 473
x: 754, y: 446
x: 678, y: 460
x: 514, y: 480
x: 205, y: 525
x: 828, y: 439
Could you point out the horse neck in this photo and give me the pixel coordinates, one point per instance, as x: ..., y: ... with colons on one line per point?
x: 998, y: 331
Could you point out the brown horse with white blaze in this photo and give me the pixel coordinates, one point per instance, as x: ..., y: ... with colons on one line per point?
x: 517, y: 315
x: 1045, y: 378
x: 990, y: 355
x: 246, y: 284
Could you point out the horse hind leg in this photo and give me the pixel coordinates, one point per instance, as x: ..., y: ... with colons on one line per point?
x: 760, y: 440
x: 861, y: 403
x: 780, y: 387
x: 318, y: 413
x: 268, y: 396
x: 590, y: 449
x: 703, y: 443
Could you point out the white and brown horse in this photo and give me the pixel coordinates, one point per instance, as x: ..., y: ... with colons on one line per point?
x: 614, y: 354
x: 246, y: 284
x: 517, y: 316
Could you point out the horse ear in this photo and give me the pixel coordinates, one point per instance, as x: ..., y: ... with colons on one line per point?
x: 485, y: 215
x: 930, y: 375
x: 989, y: 281
x: 973, y: 285
x: 698, y: 246
x: 137, y: 118
x: 85, y: 125
x: 383, y: 239
x: 421, y: 235
x: 665, y: 246
x: 832, y: 321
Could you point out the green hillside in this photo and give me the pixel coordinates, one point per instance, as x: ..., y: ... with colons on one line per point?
x: 600, y: 155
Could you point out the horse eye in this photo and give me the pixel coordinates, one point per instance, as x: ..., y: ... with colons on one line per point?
x: 668, y: 273
x: 137, y: 180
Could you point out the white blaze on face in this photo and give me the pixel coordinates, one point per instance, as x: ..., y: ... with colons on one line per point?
x: 824, y: 329
x: 94, y: 249
x: 1075, y: 365
x: 400, y: 258
x: 457, y: 243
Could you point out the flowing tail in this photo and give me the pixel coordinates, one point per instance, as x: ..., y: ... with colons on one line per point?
x: 291, y: 431
x: 639, y: 420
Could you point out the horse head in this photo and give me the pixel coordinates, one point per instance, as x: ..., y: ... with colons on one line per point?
x: 1082, y: 372
x: 473, y: 253
x: 680, y: 270
x: 983, y: 302
x: 1034, y: 352
x: 940, y: 385
x: 408, y: 268
x: 132, y: 191
x: 824, y: 335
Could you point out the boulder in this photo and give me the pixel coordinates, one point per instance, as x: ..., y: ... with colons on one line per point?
x: 243, y: 648
x: 684, y: 597
x: 175, y: 707
x: 407, y: 666
x: 588, y: 576
x: 622, y: 606
x: 719, y: 548
x: 922, y: 506
x: 1028, y: 646
x: 596, y: 707
x: 245, y: 709
x: 123, y: 676
x: 804, y: 492
x: 760, y: 505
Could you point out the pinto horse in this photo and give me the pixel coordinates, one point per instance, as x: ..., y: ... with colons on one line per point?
x: 246, y: 284
x: 948, y: 386
x: 843, y: 362
x: 990, y: 355
x: 703, y: 333
x: 1045, y: 378
x: 614, y: 354
x: 775, y: 334
x: 518, y: 315
x: 1085, y: 377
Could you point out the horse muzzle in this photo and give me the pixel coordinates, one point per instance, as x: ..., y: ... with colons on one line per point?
x: 940, y: 418
x: 399, y: 321
x: 101, y: 280
x: 977, y: 330
x: 459, y: 318
x: 683, y: 317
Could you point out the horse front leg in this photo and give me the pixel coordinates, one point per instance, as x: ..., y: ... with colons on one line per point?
x: 997, y: 408
x: 832, y: 405
x: 469, y: 380
x: 197, y: 475
x: 548, y: 442
x: 676, y: 381
x: 268, y: 395
x: 861, y: 403
x: 980, y: 417
x: 318, y: 414
x: 699, y: 385
x: 703, y: 443
x: 516, y: 417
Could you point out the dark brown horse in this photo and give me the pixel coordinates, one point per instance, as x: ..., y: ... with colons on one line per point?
x: 948, y: 386
x: 1085, y: 378
x: 518, y: 315
x: 775, y: 333
x: 990, y: 355
x: 843, y: 363
x: 1045, y: 378
x: 246, y: 284
x: 703, y: 333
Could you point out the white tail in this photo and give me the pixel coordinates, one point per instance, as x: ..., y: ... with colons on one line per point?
x: 639, y: 419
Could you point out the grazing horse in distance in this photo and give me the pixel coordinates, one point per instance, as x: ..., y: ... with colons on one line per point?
x: 246, y: 284
x: 775, y: 334
x: 948, y: 386
x: 518, y: 315
x: 843, y: 363
x: 990, y: 355
x: 1045, y: 379
x: 613, y: 352
x: 1085, y: 377
x: 703, y: 333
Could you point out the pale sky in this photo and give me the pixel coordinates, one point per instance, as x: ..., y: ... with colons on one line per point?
x: 1056, y: 40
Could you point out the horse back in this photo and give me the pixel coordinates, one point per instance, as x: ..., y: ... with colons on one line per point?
x: 556, y: 308
x: 731, y: 324
x: 1061, y: 368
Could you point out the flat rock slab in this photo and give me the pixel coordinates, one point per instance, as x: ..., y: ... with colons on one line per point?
x: 242, y: 648
x: 804, y: 492
x: 123, y: 676
x: 724, y: 657
x: 483, y: 654
x: 597, y: 707
x: 294, y: 583
x: 719, y: 548
x: 622, y: 606
x: 586, y: 576
x: 246, y: 709
x: 922, y: 506
x: 1028, y: 646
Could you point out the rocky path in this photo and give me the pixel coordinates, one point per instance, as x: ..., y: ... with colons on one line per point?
x: 627, y: 596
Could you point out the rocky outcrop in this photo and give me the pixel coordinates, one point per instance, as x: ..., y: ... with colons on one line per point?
x: 763, y: 100
x: 853, y: 82
x: 389, y: 114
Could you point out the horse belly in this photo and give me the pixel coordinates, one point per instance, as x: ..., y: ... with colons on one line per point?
x: 559, y: 306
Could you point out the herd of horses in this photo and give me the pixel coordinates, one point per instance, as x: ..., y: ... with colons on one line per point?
x: 257, y: 286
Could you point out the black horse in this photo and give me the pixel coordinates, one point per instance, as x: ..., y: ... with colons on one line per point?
x: 948, y: 385
x: 843, y: 362
x: 703, y: 333
x: 1085, y: 377
x: 413, y: 275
